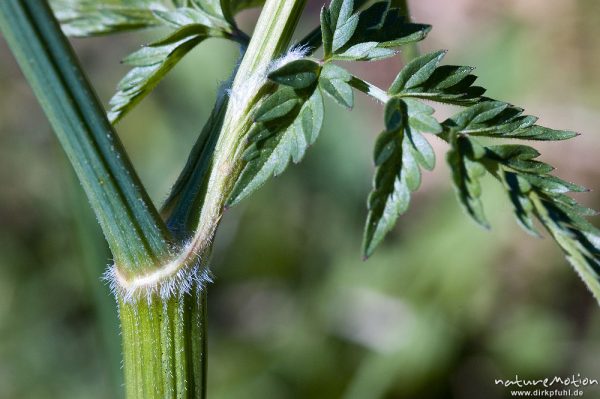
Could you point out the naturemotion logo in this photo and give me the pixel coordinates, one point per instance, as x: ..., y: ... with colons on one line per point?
x: 548, y: 386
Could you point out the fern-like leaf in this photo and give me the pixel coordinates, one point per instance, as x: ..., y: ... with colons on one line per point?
x: 424, y: 78
x: 150, y: 64
x: 82, y: 18
x: 286, y: 123
x: 532, y: 190
x: 190, y: 26
x: 367, y: 35
x: 497, y: 119
x: 334, y: 81
x: 400, y: 152
x: 466, y: 174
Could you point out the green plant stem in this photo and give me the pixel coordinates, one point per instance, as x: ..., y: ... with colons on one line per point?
x: 271, y: 37
x: 164, y: 346
x: 369, y: 89
x: 181, y: 208
x: 409, y: 51
x: 137, y: 237
x: 164, y: 339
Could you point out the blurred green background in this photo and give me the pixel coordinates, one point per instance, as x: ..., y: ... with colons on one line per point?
x: 440, y: 311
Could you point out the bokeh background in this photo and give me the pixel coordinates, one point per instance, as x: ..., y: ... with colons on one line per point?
x: 440, y: 311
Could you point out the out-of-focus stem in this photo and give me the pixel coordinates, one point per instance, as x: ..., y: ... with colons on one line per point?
x: 409, y: 51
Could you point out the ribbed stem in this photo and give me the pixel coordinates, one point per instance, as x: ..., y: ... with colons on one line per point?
x: 164, y: 331
x: 271, y: 37
x: 164, y: 346
x: 164, y: 338
x: 136, y: 234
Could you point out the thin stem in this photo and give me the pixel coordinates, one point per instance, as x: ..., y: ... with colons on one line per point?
x: 184, y: 202
x: 369, y: 89
x: 182, y: 207
x: 204, y: 342
x: 271, y: 37
x: 409, y: 51
x: 164, y: 338
x: 239, y: 36
x: 137, y: 237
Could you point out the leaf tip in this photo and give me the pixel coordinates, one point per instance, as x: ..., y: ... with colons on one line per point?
x: 231, y: 201
x: 368, y: 248
x: 367, y: 252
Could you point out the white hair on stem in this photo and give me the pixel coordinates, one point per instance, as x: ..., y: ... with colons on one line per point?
x: 186, y: 271
x: 241, y: 96
x: 293, y: 54
x: 181, y: 275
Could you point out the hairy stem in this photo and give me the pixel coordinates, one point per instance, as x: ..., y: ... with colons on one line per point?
x: 169, y: 361
x: 271, y: 37
x: 218, y: 173
x: 164, y: 346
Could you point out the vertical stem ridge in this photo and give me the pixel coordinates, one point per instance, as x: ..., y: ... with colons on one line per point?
x: 137, y: 236
x: 180, y: 337
x: 164, y: 343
